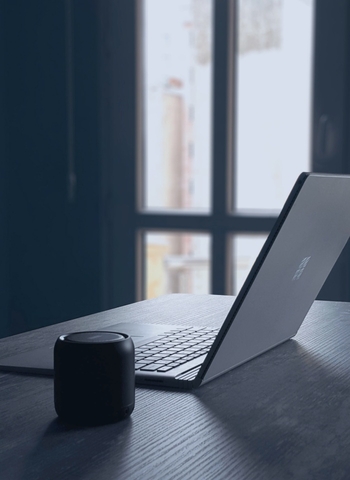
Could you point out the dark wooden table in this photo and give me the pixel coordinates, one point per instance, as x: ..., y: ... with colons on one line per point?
x: 283, y: 415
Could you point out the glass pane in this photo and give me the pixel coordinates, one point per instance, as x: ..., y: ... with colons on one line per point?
x: 176, y: 263
x: 245, y: 250
x: 176, y: 90
x: 274, y: 100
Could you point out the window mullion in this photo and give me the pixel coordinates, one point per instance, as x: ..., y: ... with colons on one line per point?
x: 222, y: 131
x: 220, y: 107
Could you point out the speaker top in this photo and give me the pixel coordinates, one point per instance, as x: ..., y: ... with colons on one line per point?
x: 93, y: 337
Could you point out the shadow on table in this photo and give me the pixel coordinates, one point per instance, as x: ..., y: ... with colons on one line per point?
x: 287, y: 412
x: 95, y: 450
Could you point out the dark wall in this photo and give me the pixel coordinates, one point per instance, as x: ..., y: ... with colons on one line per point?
x: 331, y: 115
x: 4, y: 270
x: 53, y: 248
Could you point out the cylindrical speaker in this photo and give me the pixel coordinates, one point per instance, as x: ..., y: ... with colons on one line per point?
x: 94, y: 377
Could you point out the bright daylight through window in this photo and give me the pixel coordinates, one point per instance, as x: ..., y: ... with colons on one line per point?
x: 274, y: 68
x: 272, y: 139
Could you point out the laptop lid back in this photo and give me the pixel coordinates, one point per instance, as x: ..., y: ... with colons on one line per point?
x: 298, y: 255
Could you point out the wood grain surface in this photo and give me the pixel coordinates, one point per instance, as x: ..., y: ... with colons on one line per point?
x: 283, y: 415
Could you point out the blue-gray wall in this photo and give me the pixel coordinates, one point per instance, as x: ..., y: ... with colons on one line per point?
x: 50, y: 248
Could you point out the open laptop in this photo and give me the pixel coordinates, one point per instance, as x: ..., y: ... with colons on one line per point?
x: 301, y: 250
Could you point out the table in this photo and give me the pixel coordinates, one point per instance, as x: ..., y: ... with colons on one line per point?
x: 283, y: 415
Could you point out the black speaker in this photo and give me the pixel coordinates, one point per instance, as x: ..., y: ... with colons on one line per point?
x: 94, y: 377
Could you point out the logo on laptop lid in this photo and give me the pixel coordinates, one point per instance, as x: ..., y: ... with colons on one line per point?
x: 301, y: 268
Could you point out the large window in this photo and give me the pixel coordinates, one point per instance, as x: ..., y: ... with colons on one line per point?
x: 234, y: 99
x: 225, y: 120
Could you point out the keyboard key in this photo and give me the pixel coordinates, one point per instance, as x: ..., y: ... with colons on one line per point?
x: 159, y: 356
x: 151, y: 368
x: 164, y: 369
x: 172, y: 358
x: 172, y: 350
x: 139, y: 365
x: 174, y: 364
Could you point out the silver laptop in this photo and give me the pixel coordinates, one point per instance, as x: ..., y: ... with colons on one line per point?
x: 301, y: 250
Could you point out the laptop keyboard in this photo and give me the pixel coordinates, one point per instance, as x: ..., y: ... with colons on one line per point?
x: 174, y: 348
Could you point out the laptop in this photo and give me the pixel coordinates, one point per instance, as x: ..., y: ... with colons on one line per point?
x: 297, y: 257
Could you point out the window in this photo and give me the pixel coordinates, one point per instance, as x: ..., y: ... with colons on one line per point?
x: 195, y: 74
x: 228, y: 112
